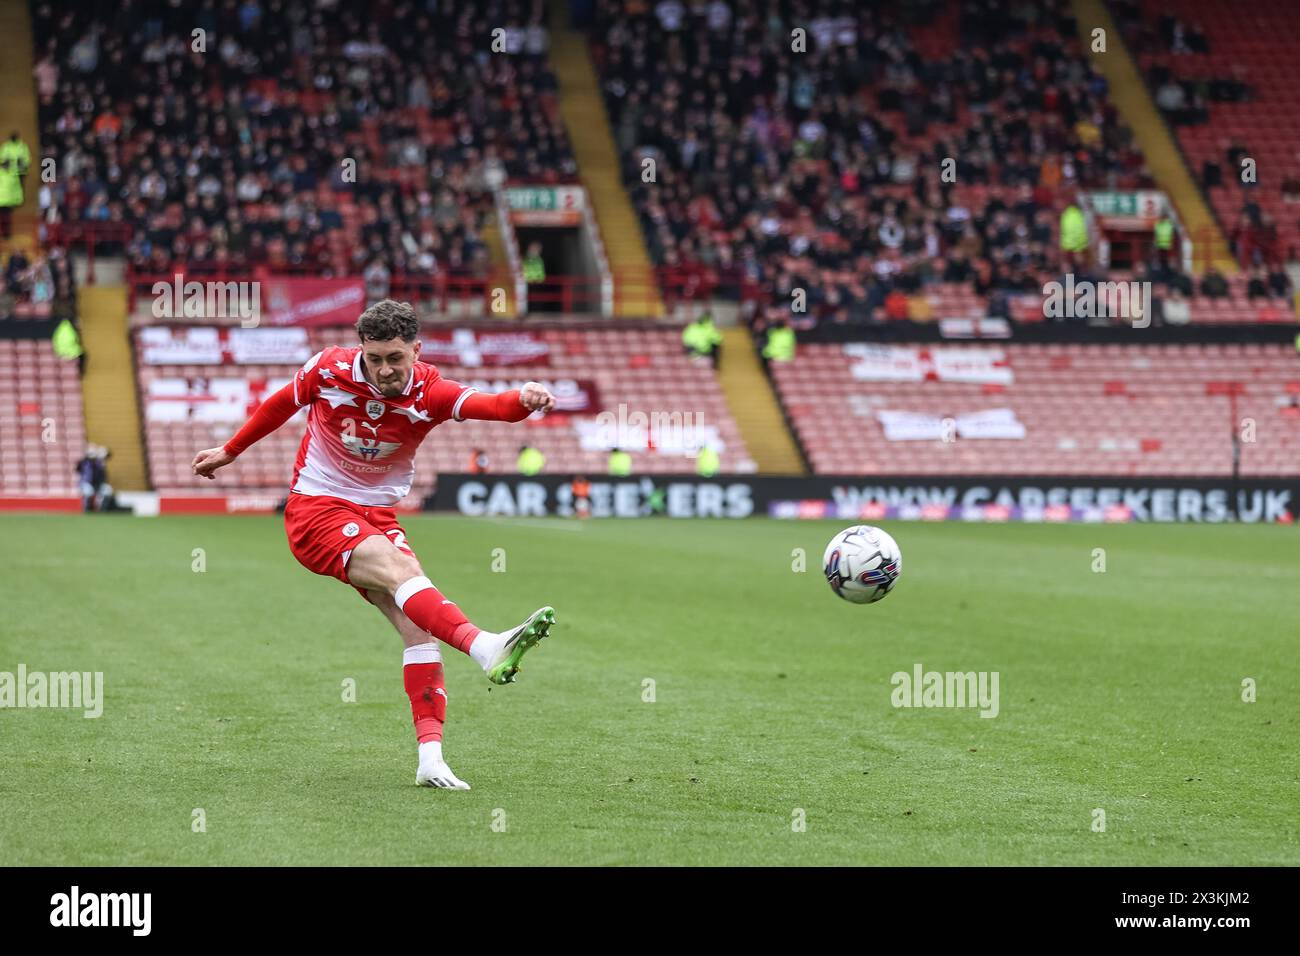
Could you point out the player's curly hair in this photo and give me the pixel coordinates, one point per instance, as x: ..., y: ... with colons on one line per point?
x: 388, y: 320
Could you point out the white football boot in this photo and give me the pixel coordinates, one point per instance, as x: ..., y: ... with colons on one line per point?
x: 434, y: 772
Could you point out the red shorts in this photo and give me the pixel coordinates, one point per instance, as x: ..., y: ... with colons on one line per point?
x: 323, y: 531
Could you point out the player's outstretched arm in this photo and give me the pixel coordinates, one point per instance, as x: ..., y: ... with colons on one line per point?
x: 270, y: 415
x: 512, y: 406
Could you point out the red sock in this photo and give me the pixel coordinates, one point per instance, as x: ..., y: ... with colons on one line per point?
x: 425, y: 605
x: 422, y: 675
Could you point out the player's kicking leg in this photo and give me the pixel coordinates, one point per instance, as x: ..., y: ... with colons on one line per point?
x: 377, y: 564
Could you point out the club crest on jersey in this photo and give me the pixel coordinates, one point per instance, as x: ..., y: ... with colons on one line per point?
x: 375, y: 410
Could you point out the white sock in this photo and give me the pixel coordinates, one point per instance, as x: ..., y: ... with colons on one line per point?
x: 484, y: 647
x: 421, y: 654
x: 409, y: 587
x: 431, y: 750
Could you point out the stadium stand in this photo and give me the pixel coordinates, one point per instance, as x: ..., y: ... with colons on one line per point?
x: 1225, y: 77
x: 639, y: 368
x: 818, y: 171
x: 1086, y: 409
x: 236, y: 156
x: 823, y: 171
x: 42, y: 431
x: 1239, y: 303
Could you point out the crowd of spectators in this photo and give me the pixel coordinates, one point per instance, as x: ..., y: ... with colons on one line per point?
x: 333, y: 136
x: 1184, y: 99
x: 825, y: 170
x: 802, y: 145
x: 1194, y: 89
x: 1268, y: 288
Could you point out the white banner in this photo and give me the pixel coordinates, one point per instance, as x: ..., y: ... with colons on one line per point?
x: 284, y: 346
x: 209, y: 345
x: 164, y: 346
x: 920, y: 426
x: 975, y: 328
x: 884, y: 363
x: 993, y: 423
x: 910, y: 363
x: 980, y: 366
x: 913, y: 426
x: 226, y: 400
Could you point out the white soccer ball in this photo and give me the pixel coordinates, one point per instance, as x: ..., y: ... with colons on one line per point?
x: 862, y: 564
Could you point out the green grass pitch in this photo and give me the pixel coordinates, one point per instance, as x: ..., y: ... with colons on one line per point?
x: 1119, y: 691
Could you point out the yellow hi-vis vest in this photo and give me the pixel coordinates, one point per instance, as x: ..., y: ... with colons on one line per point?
x: 14, y: 160
x: 1074, y: 230
x: 531, y: 461
x: 620, y: 463
x: 780, y: 345
x: 67, y: 344
x: 706, y: 462
x: 700, y: 337
x: 1164, y: 234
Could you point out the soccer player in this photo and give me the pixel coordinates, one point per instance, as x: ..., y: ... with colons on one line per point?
x: 370, y: 407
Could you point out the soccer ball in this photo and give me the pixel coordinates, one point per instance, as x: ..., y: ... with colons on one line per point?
x: 862, y: 564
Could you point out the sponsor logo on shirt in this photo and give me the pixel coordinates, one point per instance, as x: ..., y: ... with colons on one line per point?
x: 369, y: 449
